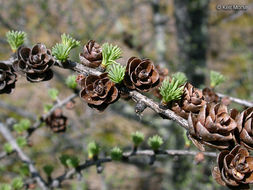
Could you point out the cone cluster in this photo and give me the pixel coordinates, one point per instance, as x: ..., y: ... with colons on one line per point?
x: 99, y: 91
x: 231, y: 132
x: 210, y: 122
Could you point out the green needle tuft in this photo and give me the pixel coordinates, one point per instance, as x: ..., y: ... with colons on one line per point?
x: 15, y: 39
x: 171, y: 90
x: 155, y: 142
x: 110, y: 54
x: 62, y: 50
x: 216, y: 78
x: 116, y: 72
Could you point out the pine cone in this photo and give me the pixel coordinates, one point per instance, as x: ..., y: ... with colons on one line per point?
x: 57, y: 121
x: 163, y: 73
x: 244, y: 133
x: 235, y: 168
x: 210, y: 96
x: 98, y: 91
x: 7, y: 79
x: 141, y: 74
x: 191, y: 101
x: 213, y: 126
x: 92, y: 54
x: 35, y: 63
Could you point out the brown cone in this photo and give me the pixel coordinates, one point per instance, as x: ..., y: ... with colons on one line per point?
x: 98, y: 91
x: 91, y: 55
x: 35, y: 63
x: 192, y: 100
x: 57, y: 121
x: 210, y: 96
x: 213, y: 126
x: 141, y: 74
x: 245, y: 128
x: 235, y: 168
x: 7, y: 79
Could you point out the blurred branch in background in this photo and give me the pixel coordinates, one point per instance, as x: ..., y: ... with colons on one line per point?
x: 34, y: 172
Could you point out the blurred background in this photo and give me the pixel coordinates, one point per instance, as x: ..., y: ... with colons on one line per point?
x: 189, y: 36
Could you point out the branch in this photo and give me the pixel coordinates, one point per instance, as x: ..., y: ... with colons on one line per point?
x: 126, y: 155
x: 44, y: 116
x: 136, y: 96
x: 3, y: 155
x: 8, y: 62
x: 35, y: 174
x: 237, y: 100
x: 18, y: 110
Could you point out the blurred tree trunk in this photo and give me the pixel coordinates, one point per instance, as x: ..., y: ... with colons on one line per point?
x: 159, y: 23
x: 191, y: 23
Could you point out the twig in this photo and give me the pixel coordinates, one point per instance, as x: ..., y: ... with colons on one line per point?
x: 126, y: 155
x: 35, y: 174
x: 3, y: 155
x: 136, y: 96
x: 237, y: 100
x: 44, y: 116
x: 8, y: 62
x: 18, y: 110
x: 86, y: 71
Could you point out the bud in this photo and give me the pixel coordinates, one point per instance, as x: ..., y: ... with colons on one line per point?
x: 116, y: 154
x: 71, y: 82
x: 93, y: 149
x: 137, y: 138
x: 8, y: 148
x: 155, y: 142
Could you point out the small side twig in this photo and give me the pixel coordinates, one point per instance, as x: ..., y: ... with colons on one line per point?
x: 18, y: 111
x: 3, y: 155
x: 44, y: 116
x: 237, y: 100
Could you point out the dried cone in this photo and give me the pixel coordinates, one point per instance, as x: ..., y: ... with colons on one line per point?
x: 210, y: 96
x: 7, y: 79
x: 245, y: 128
x: 91, y: 55
x: 35, y: 63
x: 191, y: 101
x: 235, y: 168
x: 141, y: 74
x: 213, y: 126
x: 57, y: 121
x: 98, y: 91
x: 163, y: 73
